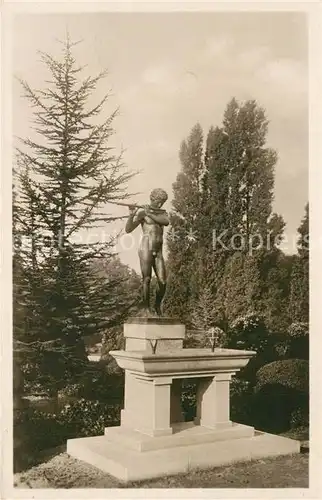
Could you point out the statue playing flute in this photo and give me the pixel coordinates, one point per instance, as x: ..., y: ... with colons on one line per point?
x: 153, y: 219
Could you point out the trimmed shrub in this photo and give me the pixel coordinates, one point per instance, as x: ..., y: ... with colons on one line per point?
x: 282, y: 390
x: 291, y: 373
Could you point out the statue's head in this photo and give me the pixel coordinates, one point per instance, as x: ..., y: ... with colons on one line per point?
x: 158, y: 197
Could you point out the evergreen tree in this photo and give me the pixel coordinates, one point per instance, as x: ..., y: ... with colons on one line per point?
x: 242, y: 173
x: 184, y: 225
x: 300, y: 285
x: 66, y: 176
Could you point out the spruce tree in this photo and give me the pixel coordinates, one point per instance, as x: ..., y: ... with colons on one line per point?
x: 66, y: 175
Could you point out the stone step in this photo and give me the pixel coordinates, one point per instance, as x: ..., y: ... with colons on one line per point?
x: 185, y: 434
x: 129, y: 465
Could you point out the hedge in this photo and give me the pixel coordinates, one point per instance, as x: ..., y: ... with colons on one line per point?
x: 291, y: 373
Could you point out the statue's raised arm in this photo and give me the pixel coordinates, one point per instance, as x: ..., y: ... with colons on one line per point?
x: 135, y: 218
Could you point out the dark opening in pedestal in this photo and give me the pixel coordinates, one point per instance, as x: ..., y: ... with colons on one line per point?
x: 189, y: 398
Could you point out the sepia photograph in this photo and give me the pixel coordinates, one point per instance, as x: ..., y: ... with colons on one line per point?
x: 160, y: 235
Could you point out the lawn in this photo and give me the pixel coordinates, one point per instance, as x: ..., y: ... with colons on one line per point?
x: 62, y: 471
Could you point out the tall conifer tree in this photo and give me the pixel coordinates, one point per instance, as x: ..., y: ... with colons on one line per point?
x: 67, y: 172
x: 184, y: 229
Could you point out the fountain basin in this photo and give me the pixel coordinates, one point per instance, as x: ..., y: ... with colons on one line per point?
x: 181, y: 362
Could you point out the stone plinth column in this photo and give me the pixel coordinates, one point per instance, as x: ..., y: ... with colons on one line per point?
x: 213, y: 402
x: 147, y: 405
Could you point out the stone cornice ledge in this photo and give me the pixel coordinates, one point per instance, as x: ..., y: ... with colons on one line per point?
x: 198, y: 362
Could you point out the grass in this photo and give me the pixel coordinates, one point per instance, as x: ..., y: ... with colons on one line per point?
x: 63, y: 471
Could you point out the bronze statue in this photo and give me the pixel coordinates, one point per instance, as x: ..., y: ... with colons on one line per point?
x: 152, y: 219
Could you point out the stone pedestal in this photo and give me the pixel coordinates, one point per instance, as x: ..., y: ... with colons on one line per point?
x: 142, y: 334
x: 213, y: 406
x: 147, y: 405
x: 152, y: 439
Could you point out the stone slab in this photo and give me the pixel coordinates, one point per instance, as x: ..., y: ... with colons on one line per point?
x: 163, y: 345
x: 154, y: 320
x: 154, y: 331
x: 129, y: 465
x: 183, y: 363
x: 184, y: 434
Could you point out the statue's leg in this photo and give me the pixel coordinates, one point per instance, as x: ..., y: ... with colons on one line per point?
x: 146, y: 259
x: 160, y: 272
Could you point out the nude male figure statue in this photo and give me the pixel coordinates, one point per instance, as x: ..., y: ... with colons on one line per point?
x: 152, y: 219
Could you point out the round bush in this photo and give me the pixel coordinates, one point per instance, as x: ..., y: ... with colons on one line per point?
x: 291, y: 373
x: 282, y: 388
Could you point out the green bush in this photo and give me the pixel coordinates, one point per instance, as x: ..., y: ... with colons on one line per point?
x: 281, y: 394
x: 298, y: 329
x: 300, y: 418
x: 291, y: 373
x: 240, y: 401
x: 88, y: 418
x: 188, y: 398
x: 248, y: 332
x: 298, y: 341
x: 97, y: 384
x: 35, y: 431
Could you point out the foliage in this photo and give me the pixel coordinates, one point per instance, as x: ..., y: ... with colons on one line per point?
x: 36, y: 430
x: 102, y: 384
x: 248, y: 332
x: 240, y: 401
x: 204, y: 315
x: 291, y: 373
x: 299, y: 293
x: 298, y: 340
x: 275, y: 270
x: 298, y: 330
x: 88, y: 417
x: 224, y: 197
x: 239, y: 288
x: 300, y: 418
x: 250, y: 166
x: 184, y: 226
x: 121, y: 292
x: 66, y: 173
x: 188, y: 398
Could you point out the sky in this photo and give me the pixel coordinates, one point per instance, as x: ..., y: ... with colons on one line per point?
x: 168, y: 71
